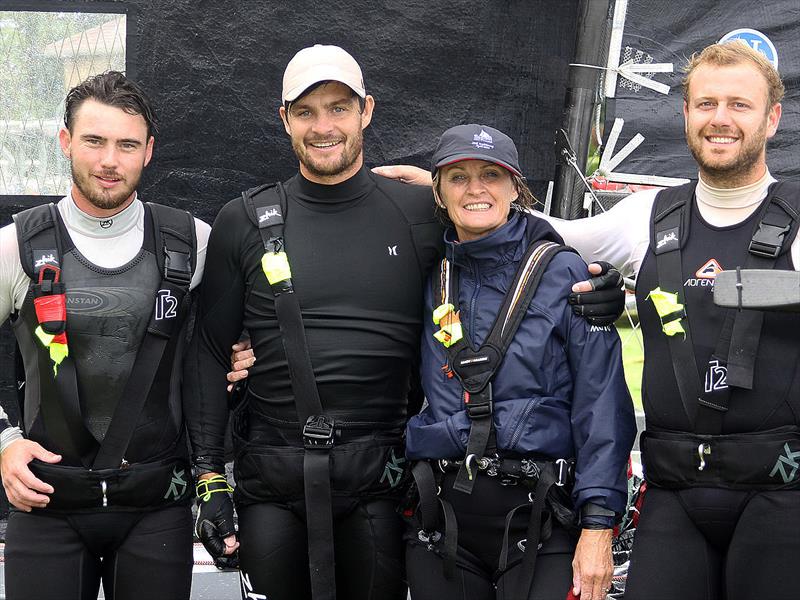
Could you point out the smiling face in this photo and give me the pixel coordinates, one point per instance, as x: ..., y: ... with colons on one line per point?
x: 477, y: 195
x: 728, y: 122
x: 326, y: 128
x: 107, y: 148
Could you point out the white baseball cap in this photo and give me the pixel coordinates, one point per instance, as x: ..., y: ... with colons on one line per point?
x: 321, y: 63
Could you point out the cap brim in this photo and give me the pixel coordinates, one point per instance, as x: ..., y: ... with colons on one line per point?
x: 323, y: 73
x: 475, y: 156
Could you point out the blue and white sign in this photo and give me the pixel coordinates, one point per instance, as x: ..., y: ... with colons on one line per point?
x: 756, y: 40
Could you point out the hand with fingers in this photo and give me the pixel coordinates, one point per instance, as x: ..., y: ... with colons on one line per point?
x: 601, y: 299
x: 214, y: 526
x: 23, y: 488
x: 405, y: 173
x: 242, y: 358
x: 592, y: 565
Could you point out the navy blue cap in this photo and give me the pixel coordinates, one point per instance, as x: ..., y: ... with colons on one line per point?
x: 469, y: 142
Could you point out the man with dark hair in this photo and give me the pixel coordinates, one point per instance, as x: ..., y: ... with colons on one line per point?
x: 97, y: 291
x: 326, y: 272
x: 312, y: 487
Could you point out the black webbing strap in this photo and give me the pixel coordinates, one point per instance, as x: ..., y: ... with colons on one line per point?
x: 670, y: 230
x: 175, y: 249
x: 772, y: 236
x: 61, y: 411
x: 41, y: 241
x: 267, y: 207
x: 737, y: 344
x: 428, y: 511
x: 538, y: 531
x: 476, y: 368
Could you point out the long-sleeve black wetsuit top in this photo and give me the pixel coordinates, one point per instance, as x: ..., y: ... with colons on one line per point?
x: 359, y: 253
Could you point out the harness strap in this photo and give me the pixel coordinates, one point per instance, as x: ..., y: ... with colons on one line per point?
x: 539, y: 531
x: 670, y: 230
x: 176, y: 251
x: 267, y: 208
x: 737, y: 344
x: 43, y: 240
x: 476, y: 368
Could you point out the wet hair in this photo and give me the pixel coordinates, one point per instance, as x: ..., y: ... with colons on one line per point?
x: 525, y: 200
x: 113, y: 89
x: 736, y: 53
x: 361, y: 101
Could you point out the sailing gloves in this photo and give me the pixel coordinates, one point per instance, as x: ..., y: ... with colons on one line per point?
x: 605, y: 303
x: 215, y: 519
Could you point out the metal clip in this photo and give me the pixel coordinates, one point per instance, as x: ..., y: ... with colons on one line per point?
x: 104, y: 487
x: 524, y: 542
x: 467, y: 465
x: 702, y: 449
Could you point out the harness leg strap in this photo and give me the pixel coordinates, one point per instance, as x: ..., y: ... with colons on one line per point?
x: 319, y: 523
x: 533, y: 535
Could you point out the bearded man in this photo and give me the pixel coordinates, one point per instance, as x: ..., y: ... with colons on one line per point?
x: 96, y: 288
x: 325, y: 272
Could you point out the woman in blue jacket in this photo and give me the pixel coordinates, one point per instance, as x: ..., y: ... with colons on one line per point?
x: 522, y: 449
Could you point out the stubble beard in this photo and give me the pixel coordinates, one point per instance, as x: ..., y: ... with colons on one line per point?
x: 349, y: 156
x: 736, y: 170
x: 103, y: 199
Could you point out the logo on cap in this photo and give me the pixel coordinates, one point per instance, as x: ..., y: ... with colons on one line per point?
x: 483, y: 140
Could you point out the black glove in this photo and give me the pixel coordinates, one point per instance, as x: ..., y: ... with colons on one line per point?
x: 215, y: 519
x: 606, y: 303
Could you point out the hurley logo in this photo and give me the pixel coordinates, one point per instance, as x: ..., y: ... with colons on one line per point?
x: 483, y: 140
x: 106, y: 223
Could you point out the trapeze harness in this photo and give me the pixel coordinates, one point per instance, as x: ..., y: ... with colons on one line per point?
x: 705, y: 456
x: 104, y: 478
x: 475, y: 369
x: 266, y: 207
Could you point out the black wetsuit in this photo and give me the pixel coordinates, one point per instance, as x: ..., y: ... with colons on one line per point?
x: 704, y: 542
x: 359, y: 253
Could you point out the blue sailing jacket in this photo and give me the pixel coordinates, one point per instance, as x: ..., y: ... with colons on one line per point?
x: 560, y: 391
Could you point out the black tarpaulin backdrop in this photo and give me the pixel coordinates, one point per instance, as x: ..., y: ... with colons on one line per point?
x: 671, y: 32
x: 214, y: 71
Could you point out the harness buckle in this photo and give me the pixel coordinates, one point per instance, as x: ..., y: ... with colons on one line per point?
x: 177, y: 267
x: 104, y: 488
x: 318, y: 433
x: 768, y: 240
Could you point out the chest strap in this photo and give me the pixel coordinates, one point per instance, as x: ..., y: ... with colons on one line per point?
x: 737, y: 343
x: 475, y: 368
x: 43, y: 240
x: 266, y: 207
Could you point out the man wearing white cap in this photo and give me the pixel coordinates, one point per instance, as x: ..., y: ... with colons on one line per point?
x: 326, y: 272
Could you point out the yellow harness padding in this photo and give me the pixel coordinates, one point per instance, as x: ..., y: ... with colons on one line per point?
x: 276, y: 267
x: 666, y: 303
x: 449, y: 322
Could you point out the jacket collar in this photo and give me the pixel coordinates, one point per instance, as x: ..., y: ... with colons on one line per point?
x: 505, y: 245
